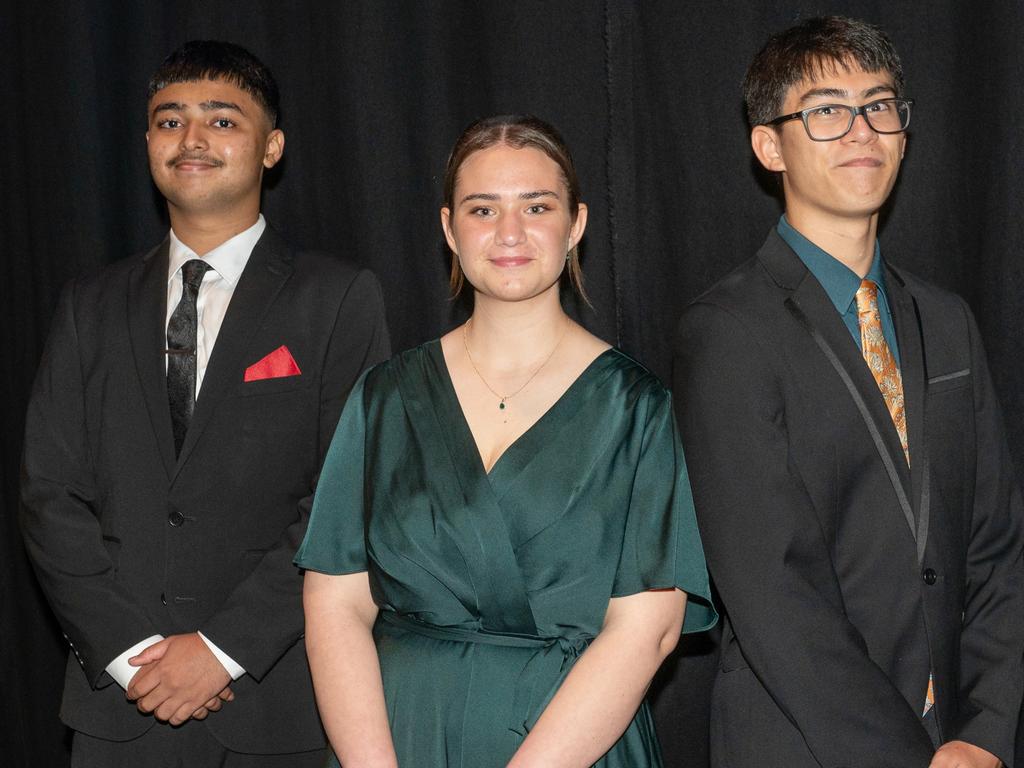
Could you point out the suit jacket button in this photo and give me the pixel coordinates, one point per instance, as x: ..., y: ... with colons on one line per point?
x: 163, y: 598
x: 929, y: 576
x: 175, y: 518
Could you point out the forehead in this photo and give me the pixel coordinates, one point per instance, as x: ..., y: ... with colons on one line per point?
x: 502, y: 164
x: 836, y: 80
x: 192, y: 93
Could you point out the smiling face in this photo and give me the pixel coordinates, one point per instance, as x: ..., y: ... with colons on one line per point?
x: 850, y: 177
x: 510, y: 224
x: 208, y: 143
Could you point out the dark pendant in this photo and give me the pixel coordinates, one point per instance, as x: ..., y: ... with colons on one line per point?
x: 501, y: 405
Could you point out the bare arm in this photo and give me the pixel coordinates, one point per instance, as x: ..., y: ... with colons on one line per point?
x: 601, y: 694
x: 346, y: 671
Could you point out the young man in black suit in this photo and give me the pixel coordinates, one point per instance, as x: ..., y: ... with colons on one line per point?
x: 853, y: 486
x: 183, y: 405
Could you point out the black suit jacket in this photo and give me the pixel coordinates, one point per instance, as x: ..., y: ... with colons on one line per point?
x: 129, y: 541
x: 846, y: 576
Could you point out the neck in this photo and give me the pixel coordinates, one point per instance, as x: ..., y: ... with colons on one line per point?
x: 509, y: 334
x: 204, y: 232
x: 850, y: 241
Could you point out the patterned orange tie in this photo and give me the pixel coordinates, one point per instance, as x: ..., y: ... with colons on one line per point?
x: 883, y: 367
x: 880, y: 359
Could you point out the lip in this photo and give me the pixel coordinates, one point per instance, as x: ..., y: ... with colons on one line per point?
x: 194, y: 165
x: 507, y: 262
x: 862, y: 162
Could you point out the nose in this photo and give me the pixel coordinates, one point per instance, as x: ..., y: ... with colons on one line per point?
x: 510, y: 229
x: 194, y: 136
x: 861, y: 130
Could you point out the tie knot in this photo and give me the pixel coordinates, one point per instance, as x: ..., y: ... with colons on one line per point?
x: 867, y: 297
x: 192, y: 272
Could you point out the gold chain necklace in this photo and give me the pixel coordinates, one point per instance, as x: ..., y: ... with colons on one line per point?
x: 502, y: 399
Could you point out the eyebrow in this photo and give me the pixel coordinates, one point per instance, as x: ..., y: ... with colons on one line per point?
x: 206, y: 106
x: 492, y: 197
x: 842, y: 93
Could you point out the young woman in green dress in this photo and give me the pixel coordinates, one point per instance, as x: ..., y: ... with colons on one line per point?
x: 503, y: 542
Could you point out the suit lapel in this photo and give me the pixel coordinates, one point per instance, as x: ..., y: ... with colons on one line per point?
x: 147, y: 313
x: 267, y: 270
x: 806, y: 300
x: 907, y: 320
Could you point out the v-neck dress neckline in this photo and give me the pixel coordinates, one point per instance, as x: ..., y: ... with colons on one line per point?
x: 523, y: 448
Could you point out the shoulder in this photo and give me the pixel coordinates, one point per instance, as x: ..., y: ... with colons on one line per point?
x: 100, y: 286
x: 754, y: 289
x: 942, y: 312
x: 322, y: 269
x: 411, y: 365
x: 630, y: 379
x: 926, y: 293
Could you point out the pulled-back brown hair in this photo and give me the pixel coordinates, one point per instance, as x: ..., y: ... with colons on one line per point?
x: 518, y: 132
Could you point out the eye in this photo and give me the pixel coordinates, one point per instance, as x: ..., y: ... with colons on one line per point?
x: 223, y: 122
x: 825, y: 110
x: 169, y: 123
x: 481, y: 211
x: 878, y: 106
x: 538, y: 208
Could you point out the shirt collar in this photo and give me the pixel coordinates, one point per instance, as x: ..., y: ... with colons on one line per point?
x: 228, y: 259
x: 839, y: 281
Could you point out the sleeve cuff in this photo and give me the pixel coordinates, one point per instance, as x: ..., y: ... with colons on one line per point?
x: 121, y: 670
x: 228, y: 663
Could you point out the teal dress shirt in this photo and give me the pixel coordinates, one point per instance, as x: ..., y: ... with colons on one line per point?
x: 841, y: 283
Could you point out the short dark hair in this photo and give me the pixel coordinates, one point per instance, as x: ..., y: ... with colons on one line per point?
x: 217, y: 60
x: 516, y: 131
x: 809, y: 50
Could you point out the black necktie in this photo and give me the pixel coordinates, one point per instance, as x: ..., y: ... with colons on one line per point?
x: 181, y: 351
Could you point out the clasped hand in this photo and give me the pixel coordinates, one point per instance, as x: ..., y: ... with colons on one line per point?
x: 179, y: 678
x: 960, y: 754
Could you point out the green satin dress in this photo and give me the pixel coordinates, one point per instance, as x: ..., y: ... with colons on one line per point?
x: 491, y: 585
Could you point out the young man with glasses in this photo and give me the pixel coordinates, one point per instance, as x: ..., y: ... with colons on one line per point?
x: 853, y: 486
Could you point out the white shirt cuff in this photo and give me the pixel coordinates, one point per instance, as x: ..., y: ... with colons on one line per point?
x: 121, y: 670
x: 228, y: 663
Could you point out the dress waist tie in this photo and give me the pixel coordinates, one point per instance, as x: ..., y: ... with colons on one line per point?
x: 552, y: 660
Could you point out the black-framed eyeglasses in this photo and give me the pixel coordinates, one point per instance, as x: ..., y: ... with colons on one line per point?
x: 828, y: 122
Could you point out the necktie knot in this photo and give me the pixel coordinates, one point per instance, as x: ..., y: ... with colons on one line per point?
x: 192, y: 272
x: 867, y: 299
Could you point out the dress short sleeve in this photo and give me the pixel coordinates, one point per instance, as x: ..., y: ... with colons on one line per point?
x: 335, y: 541
x: 661, y: 546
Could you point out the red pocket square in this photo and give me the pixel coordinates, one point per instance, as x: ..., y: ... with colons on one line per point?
x: 277, y: 364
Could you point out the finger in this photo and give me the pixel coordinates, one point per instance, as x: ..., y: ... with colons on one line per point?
x: 155, y: 652
x: 142, y: 684
x: 214, y: 704
x: 182, y: 714
x: 150, y: 703
x: 226, y: 695
x: 200, y: 714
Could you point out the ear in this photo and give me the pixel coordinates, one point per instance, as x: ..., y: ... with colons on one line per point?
x: 765, y: 141
x: 578, y: 226
x: 446, y: 227
x: 275, y: 148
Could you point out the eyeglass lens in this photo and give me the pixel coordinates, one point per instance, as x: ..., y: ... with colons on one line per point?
x: 830, y: 121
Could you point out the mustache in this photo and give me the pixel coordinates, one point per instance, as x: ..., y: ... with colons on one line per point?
x: 193, y: 157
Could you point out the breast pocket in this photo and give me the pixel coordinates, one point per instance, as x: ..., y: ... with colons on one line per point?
x: 946, y: 382
x: 274, y: 386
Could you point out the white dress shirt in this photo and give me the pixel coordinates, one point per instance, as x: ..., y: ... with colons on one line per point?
x: 226, y: 262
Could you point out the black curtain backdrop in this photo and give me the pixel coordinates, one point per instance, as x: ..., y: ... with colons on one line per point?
x: 374, y: 93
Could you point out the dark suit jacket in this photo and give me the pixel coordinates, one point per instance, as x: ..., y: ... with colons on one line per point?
x: 845, y: 576
x: 129, y: 542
